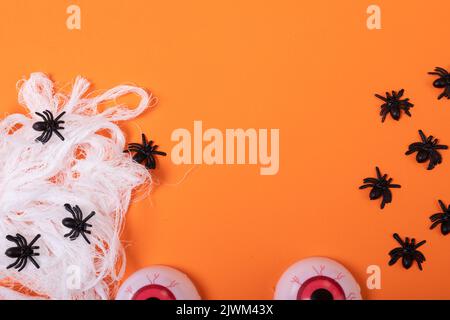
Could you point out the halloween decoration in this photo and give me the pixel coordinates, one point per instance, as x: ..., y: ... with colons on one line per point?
x: 380, y: 187
x: 407, y: 252
x: 49, y: 125
x: 317, y: 278
x: 88, y: 169
x: 443, y: 82
x: 393, y: 105
x: 427, y: 150
x: 77, y: 223
x: 145, y: 152
x: 22, y: 252
x: 442, y: 218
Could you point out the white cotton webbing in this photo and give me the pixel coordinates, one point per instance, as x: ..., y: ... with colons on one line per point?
x: 87, y: 169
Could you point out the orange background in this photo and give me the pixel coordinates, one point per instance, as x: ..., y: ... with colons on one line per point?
x: 309, y: 68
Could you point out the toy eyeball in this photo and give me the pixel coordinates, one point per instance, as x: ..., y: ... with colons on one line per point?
x: 317, y: 279
x: 158, y: 283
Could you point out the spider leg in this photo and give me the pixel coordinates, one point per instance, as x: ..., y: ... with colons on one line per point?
x: 423, y: 136
x: 59, y: 134
x: 395, y: 251
x: 13, y: 264
x: 387, y: 198
x: 441, y: 147
x: 384, y: 113
x: 378, y: 173
x: 435, y: 159
x: 421, y: 243
x: 89, y: 216
x: 75, y: 235
x: 438, y: 157
x: 144, y: 140
x: 42, y: 116
x: 397, y: 186
x: 34, y: 240
x: 399, y: 240
x: 394, y: 259
x: 364, y: 186
x: 371, y: 180
x: 441, y: 203
x: 22, y: 240
x: 41, y: 137
x: 70, y: 209
x: 78, y: 212
x: 49, y: 115
x: 33, y: 262
x: 13, y: 239
x: 436, y: 216
x: 85, y: 238
x: 435, y: 224
x: 400, y: 93
x: 416, y: 145
x: 442, y: 70
x: 23, y: 264
x: 407, y: 112
x: 150, y: 163
x: 59, y: 116
x: 443, y: 94
x: 381, y: 97
x: 420, y: 256
x: 69, y: 234
x: 419, y: 264
x: 45, y: 137
x: 383, y: 108
x: 160, y: 153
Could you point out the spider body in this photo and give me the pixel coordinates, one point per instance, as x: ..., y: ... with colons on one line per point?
x: 408, y: 252
x: 77, y: 223
x: 442, y: 218
x: 145, y: 152
x: 427, y: 150
x: 393, y: 105
x: 443, y: 82
x: 48, y: 126
x: 22, y: 252
x: 380, y: 187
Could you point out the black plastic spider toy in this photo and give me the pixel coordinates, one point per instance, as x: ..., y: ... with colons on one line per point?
x: 49, y: 126
x: 77, y: 223
x: 380, y: 187
x: 427, y: 150
x: 22, y: 252
x: 145, y: 152
x: 408, y: 252
x: 394, y: 105
x: 443, y: 82
x: 442, y: 218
